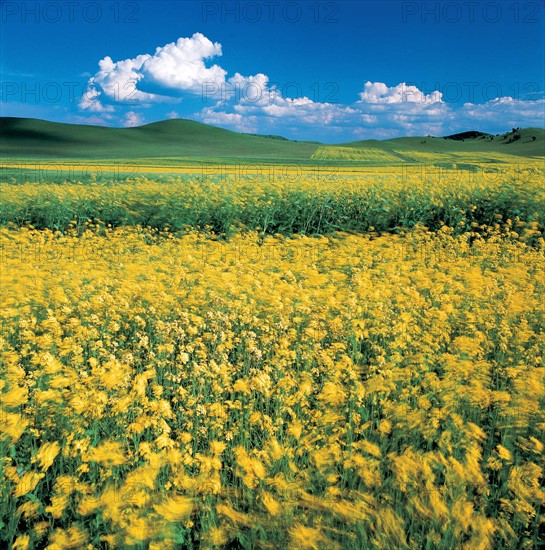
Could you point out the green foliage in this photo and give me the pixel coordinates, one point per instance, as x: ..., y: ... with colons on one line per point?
x: 308, y: 205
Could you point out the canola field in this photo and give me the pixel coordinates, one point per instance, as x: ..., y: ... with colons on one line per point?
x: 380, y: 156
x: 328, y: 363
x: 288, y: 202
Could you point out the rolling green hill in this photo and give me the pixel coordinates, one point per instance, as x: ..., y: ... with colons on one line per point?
x: 484, y: 147
x: 168, y: 140
x: 26, y: 137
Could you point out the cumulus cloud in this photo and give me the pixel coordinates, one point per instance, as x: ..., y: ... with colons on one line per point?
x: 233, y: 120
x: 132, y: 119
x: 252, y: 103
x: 511, y: 112
x: 378, y: 92
x: 90, y: 101
x: 118, y: 81
x: 94, y: 120
x: 178, y: 67
x: 383, y: 115
x: 250, y: 90
x: 400, y: 106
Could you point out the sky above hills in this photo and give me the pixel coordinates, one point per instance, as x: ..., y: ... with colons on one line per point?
x: 331, y: 71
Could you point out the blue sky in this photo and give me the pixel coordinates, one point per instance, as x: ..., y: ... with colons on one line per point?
x: 329, y: 71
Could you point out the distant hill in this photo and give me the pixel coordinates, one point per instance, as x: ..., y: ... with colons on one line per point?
x: 186, y: 139
x: 530, y: 144
x: 26, y: 137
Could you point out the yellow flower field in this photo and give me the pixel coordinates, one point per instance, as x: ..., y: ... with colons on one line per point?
x: 165, y: 390
x: 279, y: 202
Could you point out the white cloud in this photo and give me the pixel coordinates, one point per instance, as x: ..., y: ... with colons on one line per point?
x: 90, y: 101
x: 132, y: 119
x: 118, y: 81
x: 402, y: 107
x: 234, y: 120
x: 250, y: 90
x: 386, y: 117
x: 180, y: 65
x: 174, y: 68
x: 378, y: 92
x: 94, y: 120
x: 511, y: 112
x: 252, y: 103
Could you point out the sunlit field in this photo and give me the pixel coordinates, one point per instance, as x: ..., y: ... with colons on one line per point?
x: 221, y: 200
x: 327, y: 361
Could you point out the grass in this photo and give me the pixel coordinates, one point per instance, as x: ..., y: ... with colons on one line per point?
x: 31, y: 139
x: 485, y: 148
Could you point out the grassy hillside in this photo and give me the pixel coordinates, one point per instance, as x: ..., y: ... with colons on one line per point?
x: 487, y: 148
x: 166, y: 141
x: 25, y: 137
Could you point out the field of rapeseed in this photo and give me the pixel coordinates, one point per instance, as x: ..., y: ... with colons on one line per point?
x: 378, y: 385
x: 287, y: 201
